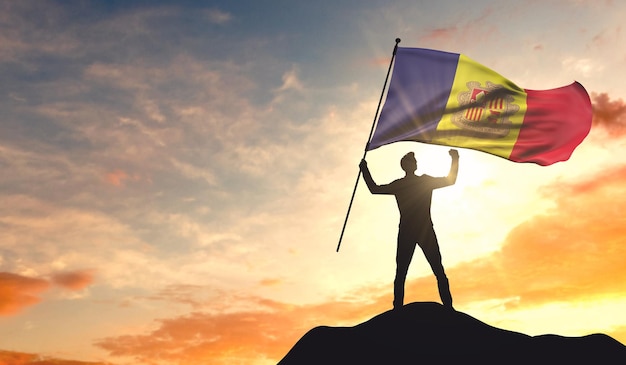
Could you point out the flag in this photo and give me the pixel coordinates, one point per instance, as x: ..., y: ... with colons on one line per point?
x: 449, y: 99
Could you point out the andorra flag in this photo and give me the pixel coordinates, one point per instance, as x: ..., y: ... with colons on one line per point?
x: 448, y: 99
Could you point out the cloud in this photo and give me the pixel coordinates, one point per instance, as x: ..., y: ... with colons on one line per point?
x: 19, y: 39
x: 469, y: 28
x: 270, y: 282
x: 116, y: 177
x: 585, y: 67
x: 442, y: 34
x: 73, y: 280
x: 184, y: 294
x: 18, y: 292
x: 217, y: 16
x: 609, y: 114
x: 607, y: 37
x: 255, y: 336
x: 23, y: 358
x: 41, y: 237
x: 194, y: 172
x: 291, y: 81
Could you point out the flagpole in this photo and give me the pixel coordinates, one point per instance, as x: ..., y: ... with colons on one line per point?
x: 358, y: 176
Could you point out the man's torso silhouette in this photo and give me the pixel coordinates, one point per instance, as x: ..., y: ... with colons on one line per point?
x: 414, y: 196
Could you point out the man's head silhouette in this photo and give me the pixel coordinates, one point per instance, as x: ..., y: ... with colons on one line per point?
x: 408, y: 163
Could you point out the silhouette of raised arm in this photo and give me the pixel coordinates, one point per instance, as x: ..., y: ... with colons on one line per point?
x: 369, y: 181
x: 454, y: 166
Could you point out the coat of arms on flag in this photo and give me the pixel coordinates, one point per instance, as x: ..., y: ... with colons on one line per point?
x: 485, y: 110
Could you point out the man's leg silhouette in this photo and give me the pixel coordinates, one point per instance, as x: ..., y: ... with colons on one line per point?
x: 430, y: 247
x: 404, y: 254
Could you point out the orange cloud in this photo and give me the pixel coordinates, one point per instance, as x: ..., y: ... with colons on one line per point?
x: 380, y: 61
x: 441, y: 34
x: 462, y: 31
x: 73, y: 280
x: 119, y: 177
x: 21, y: 358
x: 182, y: 294
x: 267, y: 332
x: 116, y: 178
x: 609, y: 114
x: 18, y: 292
x: 270, y: 282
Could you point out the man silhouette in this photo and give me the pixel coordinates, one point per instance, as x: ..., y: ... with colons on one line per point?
x: 414, y: 194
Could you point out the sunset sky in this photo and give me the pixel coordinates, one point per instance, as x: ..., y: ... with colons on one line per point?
x: 175, y: 176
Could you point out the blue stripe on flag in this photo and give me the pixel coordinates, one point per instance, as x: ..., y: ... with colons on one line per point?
x: 417, y: 96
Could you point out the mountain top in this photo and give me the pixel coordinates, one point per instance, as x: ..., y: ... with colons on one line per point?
x: 428, y: 332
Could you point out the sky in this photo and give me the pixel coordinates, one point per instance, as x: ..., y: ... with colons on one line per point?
x: 175, y: 176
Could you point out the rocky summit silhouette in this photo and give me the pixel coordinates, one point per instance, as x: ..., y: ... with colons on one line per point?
x: 429, y: 333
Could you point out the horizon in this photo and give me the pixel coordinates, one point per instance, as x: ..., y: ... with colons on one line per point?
x: 177, y: 175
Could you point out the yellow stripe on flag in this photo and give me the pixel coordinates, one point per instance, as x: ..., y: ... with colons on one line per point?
x: 484, y: 111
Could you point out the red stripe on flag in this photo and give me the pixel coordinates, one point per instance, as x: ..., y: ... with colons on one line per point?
x: 555, y: 123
